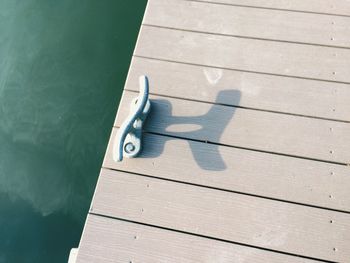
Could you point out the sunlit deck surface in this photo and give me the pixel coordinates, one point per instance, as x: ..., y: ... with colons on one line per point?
x: 247, y: 147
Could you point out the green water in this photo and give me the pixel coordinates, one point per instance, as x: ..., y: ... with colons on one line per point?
x: 63, y: 64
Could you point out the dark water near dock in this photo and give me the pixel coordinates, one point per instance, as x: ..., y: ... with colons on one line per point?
x: 62, y: 69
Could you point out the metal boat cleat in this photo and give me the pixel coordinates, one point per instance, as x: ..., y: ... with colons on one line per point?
x: 128, y: 139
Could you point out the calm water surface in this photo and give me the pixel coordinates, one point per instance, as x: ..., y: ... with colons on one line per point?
x: 62, y: 68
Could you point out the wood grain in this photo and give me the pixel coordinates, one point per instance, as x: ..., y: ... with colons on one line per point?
x: 305, y: 61
x: 282, y: 94
x: 239, y: 218
x: 335, y: 7
x: 264, y: 131
x: 247, y: 142
x: 250, y: 22
x: 274, y: 176
x: 109, y: 240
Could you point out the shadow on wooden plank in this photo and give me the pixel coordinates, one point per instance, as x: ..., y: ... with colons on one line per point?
x: 193, y: 126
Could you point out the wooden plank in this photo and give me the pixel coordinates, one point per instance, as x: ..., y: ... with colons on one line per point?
x: 108, y: 240
x: 306, y: 61
x: 250, y: 22
x: 265, y: 131
x: 273, y: 176
x: 266, y: 92
x: 335, y: 7
x: 73, y: 255
x: 280, y: 226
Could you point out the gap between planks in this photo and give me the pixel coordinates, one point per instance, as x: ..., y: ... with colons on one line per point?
x: 312, y: 139
x: 316, y: 7
x: 290, y: 229
x: 239, y: 70
x: 245, y: 54
x: 128, y: 241
x: 249, y: 23
x: 244, y: 37
x: 258, y: 92
x: 242, y: 107
x: 274, y: 177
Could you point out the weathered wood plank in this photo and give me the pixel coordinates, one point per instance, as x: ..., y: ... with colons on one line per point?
x: 250, y: 22
x: 108, y: 240
x: 266, y: 92
x: 335, y: 7
x: 274, y: 176
x: 249, y: 220
x: 265, y: 131
x: 307, y: 61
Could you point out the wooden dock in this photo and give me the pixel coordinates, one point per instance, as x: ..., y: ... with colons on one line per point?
x: 246, y: 150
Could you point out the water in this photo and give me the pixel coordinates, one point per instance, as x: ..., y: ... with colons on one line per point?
x: 62, y: 69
